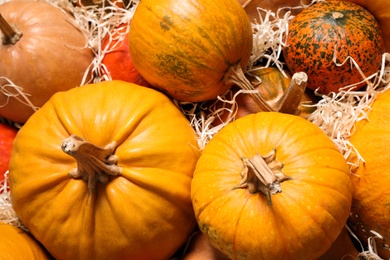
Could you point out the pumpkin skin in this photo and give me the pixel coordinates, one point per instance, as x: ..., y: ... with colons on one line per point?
x: 370, y: 207
x: 17, y: 244
x: 51, y: 56
x: 326, y: 28
x: 7, y: 136
x: 118, y: 60
x: 186, y: 48
x: 145, y: 212
x: 381, y: 10
x: 312, y: 207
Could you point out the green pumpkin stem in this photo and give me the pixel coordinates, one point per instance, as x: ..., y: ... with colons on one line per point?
x: 262, y: 173
x: 236, y: 76
x: 11, y: 35
x: 94, y: 164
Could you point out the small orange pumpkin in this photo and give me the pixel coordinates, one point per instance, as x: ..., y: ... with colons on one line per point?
x: 194, y: 51
x: 17, y: 244
x: 47, y: 54
x: 109, y: 174
x: 371, y: 197
x: 265, y: 182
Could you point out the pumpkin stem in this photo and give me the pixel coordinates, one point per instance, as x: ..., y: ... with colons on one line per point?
x: 236, y: 76
x: 11, y: 35
x: 290, y: 100
x: 94, y: 164
x: 262, y: 173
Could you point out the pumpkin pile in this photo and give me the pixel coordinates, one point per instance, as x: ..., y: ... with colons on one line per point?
x: 194, y: 129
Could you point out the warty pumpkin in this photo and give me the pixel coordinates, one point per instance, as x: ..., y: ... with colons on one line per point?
x: 42, y: 52
x: 16, y: 244
x: 192, y: 50
x: 324, y: 37
x: 271, y: 186
x: 370, y: 204
x: 103, y: 171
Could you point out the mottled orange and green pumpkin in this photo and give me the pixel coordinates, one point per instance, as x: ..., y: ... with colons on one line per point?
x: 185, y: 48
x: 322, y: 39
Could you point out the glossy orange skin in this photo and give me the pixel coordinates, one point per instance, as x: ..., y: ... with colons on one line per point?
x: 118, y: 60
x: 303, y: 220
x: 143, y: 213
x: 7, y: 136
x: 184, y: 48
x: 371, y: 197
x: 18, y: 244
x: 315, y: 38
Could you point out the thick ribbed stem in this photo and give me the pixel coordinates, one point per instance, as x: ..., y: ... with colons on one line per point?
x: 94, y: 164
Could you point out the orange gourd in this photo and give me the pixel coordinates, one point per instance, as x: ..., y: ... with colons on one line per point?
x: 324, y: 37
x: 7, y: 136
x: 42, y: 53
x: 117, y: 60
x: 370, y: 205
x: 271, y: 186
x: 17, y: 244
x: 103, y: 171
x: 191, y: 50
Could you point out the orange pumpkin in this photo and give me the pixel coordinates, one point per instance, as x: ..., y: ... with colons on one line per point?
x: 194, y: 51
x: 110, y: 178
x: 370, y: 207
x: 47, y: 54
x: 17, y: 244
x: 7, y: 136
x: 271, y: 186
x: 117, y: 59
x: 322, y: 39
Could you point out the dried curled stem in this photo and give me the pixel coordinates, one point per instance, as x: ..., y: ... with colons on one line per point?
x: 94, y: 164
x: 264, y: 174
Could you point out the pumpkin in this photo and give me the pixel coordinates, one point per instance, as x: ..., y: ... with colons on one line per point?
x: 272, y: 85
x: 117, y: 59
x: 322, y: 40
x: 7, y: 136
x: 17, y: 244
x: 370, y: 205
x: 342, y: 248
x: 271, y: 186
x: 200, y: 248
x: 282, y: 6
x: 111, y: 175
x: 192, y: 51
x: 381, y: 10
x: 42, y: 53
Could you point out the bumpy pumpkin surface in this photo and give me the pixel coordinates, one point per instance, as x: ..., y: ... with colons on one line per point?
x: 137, y: 153
x: 186, y: 48
x: 17, y: 244
x: 324, y: 36
x: 370, y: 204
x: 299, y: 209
